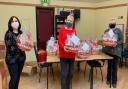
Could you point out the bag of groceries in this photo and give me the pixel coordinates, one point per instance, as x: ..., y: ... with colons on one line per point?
x: 52, y: 46
x: 24, y: 41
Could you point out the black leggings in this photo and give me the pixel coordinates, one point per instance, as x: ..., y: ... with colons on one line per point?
x: 15, y: 70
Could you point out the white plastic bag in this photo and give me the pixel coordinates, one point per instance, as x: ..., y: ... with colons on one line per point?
x: 52, y: 46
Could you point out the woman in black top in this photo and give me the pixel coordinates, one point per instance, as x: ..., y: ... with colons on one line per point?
x: 15, y: 57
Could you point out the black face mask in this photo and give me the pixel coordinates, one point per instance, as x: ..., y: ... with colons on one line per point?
x: 112, y: 25
x: 69, y: 24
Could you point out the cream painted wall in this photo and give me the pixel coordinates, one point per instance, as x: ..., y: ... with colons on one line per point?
x: 111, y: 2
x: 71, y: 3
x: 22, y: 1
x: 27, y: 18
x: 54, y: 2
x: 104, y: 15
x: 91, y: 24
x: 86, y: 25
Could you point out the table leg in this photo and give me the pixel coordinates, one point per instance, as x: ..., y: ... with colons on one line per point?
x: 47, y: 77
x: 111, y: 75
x: 91, y: 77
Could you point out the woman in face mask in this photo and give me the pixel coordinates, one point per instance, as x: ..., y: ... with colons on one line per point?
x: 114, y: 51
x: 66, y: 57
x: 15, y: 57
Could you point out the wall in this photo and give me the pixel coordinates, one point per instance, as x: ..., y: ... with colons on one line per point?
x: 22, y: 1
x: 91, y: 24
x: 71, y: 3
x: 86, y: 26
x: 111, y: 2
x: 54, y: 2
x: 26, y: 16
x: 104, y: 15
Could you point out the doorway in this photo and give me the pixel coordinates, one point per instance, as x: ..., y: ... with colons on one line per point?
x: 45, y: 26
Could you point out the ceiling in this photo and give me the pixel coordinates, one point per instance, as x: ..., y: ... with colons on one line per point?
x: 92, y: 1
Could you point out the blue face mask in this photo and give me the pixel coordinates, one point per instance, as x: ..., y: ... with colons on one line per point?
x: 69, y: 24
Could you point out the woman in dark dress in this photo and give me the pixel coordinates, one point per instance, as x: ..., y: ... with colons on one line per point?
x: 15, y: 57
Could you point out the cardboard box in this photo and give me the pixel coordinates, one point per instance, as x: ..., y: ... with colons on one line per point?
x: 27, y: 70
x: 3, y: 79
x: 30, y: 68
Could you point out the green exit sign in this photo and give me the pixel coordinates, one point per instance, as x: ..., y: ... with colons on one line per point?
x: 44, y: 1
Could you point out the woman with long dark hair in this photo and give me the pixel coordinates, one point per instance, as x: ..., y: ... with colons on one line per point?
x: 15, y: 57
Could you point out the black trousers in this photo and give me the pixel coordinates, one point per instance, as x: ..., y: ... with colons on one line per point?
x: 67, y: 70
x: 15, y: 70
x: 112, y: 67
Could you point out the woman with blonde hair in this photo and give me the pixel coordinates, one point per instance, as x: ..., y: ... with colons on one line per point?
x: 67, y: 57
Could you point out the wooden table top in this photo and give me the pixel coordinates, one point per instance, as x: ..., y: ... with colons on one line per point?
x: 101, y: 56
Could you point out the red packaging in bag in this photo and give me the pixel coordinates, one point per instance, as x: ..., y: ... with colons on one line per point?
x: 42, y: 55
x: 25, y: 42
x: 109, y: 40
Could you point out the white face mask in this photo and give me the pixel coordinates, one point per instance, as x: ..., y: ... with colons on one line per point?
x: 15, y: 25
